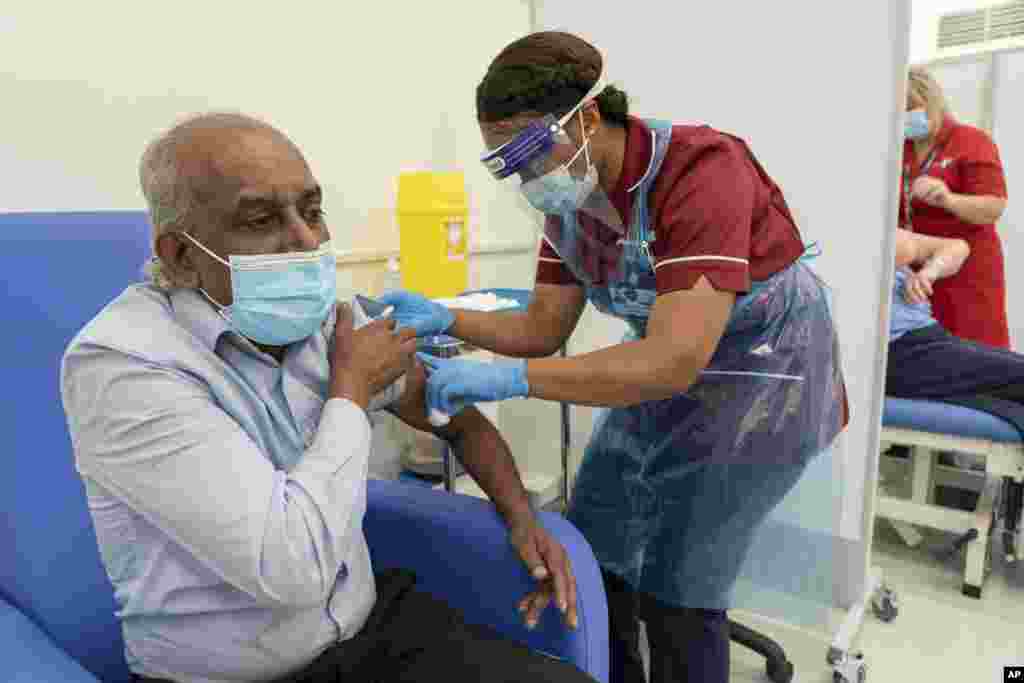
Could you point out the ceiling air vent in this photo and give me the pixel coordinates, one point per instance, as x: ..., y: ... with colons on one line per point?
x: 962, y: 28
x: 1006, y: 21
x: 975, y: 27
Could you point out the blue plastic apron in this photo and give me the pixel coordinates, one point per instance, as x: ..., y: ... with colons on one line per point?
x: 671, y: 493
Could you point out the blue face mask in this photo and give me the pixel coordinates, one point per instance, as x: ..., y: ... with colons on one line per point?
x: 558, y: 192
x: 278, y: 299
x: 916, y: 126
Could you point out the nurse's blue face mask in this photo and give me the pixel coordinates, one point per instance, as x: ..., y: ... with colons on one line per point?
x: 278, y: 299
x: 536, y: 155
x: 916, y: 125
x: 558, y: 191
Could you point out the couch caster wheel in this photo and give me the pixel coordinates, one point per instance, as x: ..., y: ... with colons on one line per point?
x: 780, y: 672
x: 851, y: 669
x: 884, y: 604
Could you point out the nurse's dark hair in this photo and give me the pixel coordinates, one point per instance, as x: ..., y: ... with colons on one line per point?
x: 546, y: 73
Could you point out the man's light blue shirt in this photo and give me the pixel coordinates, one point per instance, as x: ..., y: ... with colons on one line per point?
x: 227, y: 496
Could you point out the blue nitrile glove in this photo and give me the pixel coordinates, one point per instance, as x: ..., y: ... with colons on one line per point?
x: 418, y: 312
x: 454, y: 383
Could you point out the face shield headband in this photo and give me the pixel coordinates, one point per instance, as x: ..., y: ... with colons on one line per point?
x: 535, y: 141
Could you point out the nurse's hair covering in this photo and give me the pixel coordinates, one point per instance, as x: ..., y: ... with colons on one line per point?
x: 173, y: 194
x: 924, y: 86
x: 546, y: 73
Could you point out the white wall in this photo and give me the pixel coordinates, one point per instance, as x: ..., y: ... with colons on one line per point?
x: 824, y: 115
x: 366, y: 89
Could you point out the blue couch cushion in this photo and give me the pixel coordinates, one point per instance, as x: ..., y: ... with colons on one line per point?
x: 944, y: 418
x: 60, y: 270
x: 34, y: 658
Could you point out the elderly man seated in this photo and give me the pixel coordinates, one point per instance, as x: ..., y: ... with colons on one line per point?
x: 927, y: 362
x: 219, y: 418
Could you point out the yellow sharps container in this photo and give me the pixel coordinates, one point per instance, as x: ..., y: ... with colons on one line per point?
x: 433, y: 221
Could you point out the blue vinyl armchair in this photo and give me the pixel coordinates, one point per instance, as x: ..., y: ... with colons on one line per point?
x: 57, y: 610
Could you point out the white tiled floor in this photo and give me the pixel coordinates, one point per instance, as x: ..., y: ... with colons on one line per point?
x: 940, y: 636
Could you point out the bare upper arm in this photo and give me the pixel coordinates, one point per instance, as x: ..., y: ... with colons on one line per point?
x: 692, y: 320
x: 907, y: 249
x: 914, y: 249
x: 411, y: 408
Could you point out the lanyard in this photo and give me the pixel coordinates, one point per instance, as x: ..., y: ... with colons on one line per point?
x: 925, y: 167
x: 811, y: 251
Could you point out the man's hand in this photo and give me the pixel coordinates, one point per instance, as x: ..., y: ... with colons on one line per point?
x: 917, y: 289
x: 932, y: 191
x: 549, y: 565
x: 366, y: 361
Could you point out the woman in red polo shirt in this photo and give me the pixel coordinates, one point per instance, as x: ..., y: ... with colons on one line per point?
x: 953, y: 186
x: 727, y: 386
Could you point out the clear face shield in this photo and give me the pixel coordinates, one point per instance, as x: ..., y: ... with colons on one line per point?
x: 559, y: 180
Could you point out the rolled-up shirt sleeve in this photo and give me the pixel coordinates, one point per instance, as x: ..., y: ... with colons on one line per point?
x: 155, y: 438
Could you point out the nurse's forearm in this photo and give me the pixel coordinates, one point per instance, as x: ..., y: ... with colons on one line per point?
x: 615, y: 377
x: 976, y: 209
x: 508, y: 334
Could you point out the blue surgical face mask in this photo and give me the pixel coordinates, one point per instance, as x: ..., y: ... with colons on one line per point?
x: 916, y: 126
x: 278, y: 299
x: 558, y: 192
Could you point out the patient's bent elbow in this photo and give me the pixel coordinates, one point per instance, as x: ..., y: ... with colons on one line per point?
x: 965, y: 248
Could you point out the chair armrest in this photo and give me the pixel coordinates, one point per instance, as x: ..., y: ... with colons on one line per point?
x: 459, y: 549
x: 30, y: 656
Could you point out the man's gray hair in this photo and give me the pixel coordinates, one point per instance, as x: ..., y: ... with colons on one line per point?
x: 170, y: 192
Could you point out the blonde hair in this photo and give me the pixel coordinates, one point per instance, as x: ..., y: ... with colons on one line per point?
x: 171, y: 193
x: 922, y: 85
